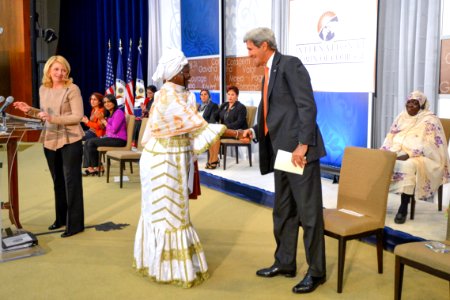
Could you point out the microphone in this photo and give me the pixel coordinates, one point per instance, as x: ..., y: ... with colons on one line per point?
x: 8, y: 101
x: 2, y: 99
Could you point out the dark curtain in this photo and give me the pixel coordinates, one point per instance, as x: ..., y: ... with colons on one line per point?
x: 86, y: 26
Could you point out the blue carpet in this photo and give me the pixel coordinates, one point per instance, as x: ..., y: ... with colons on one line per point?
x: 254, y: 194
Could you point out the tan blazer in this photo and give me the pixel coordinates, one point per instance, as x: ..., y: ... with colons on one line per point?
x: 65, y: 106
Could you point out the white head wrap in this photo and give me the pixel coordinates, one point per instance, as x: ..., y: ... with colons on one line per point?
x: 419, y: 96
x: 170, y: 64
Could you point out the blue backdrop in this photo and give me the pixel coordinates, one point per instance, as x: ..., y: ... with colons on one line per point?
x: 200, y: 27
x: 343, y: 121
x: 85, y: 28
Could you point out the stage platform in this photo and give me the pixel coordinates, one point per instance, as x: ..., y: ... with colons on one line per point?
x: 246, y: 182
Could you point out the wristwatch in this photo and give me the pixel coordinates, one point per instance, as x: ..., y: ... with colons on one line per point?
x: 300, y: 143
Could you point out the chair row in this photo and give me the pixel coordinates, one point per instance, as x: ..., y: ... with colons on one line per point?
x: 363, y: 190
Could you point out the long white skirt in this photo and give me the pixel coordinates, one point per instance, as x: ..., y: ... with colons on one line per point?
x: 167, y: 247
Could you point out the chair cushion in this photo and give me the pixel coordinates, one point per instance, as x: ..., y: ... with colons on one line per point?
x: 418, y: 252
x: 345, y: 224
x: 124, y: 154
x: 104, y: 148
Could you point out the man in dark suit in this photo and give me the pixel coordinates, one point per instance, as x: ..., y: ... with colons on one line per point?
x: 288, y: 122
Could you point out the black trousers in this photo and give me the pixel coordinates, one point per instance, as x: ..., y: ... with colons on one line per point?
x: 89, y: 134
x: 90, y: 153
x: 298, y: 199
x: 65, y: 167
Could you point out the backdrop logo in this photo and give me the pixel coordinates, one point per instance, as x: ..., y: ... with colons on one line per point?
x: 326, y: 27
x: 332, y: 49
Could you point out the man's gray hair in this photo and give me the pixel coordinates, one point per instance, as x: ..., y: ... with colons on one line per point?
x: 260, y: 35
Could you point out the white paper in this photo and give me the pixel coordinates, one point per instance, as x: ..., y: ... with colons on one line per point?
x: 351, y: 212
x: 124, y: 179
x: 17, y: 240
x: 283, y: 162
x: 438, y: 247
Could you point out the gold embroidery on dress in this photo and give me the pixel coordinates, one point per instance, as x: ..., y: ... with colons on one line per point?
x: 170, y: 199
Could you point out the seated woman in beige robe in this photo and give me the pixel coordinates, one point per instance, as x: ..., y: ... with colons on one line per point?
x: 422, y: 163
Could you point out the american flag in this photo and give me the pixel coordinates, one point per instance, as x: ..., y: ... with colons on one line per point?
x: 129, y: 96
x: 140, y: 86
x: 109, y: 82
x: 120, y: 82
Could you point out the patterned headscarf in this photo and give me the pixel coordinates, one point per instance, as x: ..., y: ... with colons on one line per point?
x: 170, y: 64
x: 419, y: 96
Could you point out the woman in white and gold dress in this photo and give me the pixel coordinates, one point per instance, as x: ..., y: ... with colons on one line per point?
x: 167, y: 247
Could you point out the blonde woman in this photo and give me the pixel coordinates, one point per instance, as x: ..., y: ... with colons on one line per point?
x: 62, y: 110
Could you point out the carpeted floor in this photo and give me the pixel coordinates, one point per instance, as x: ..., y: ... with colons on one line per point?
x: 236, y: 235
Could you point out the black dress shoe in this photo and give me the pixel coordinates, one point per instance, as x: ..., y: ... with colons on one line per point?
x: 67, y: 234
x: 54, y: 226
x: 308, y: 284
x: 400, y: 218
x: 274, y: 271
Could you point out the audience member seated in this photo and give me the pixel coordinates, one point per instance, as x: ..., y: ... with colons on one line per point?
x: 418, y: 138
x: 208, y: 109
x: 145, y: 107
x: 94, y: 122
x: 232, y: 114
x: 116, y: 135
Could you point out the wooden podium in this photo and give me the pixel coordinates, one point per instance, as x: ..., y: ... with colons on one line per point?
x: 10, y: 139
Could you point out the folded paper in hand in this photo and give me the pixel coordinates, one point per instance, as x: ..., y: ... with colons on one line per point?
x: 283, y: 162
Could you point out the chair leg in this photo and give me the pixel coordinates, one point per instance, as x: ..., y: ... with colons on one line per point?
x: 440, y: 199
x: 380, y: 251
x: 413, y: 207
x: 399, y: 267
x: 341, y: 261
x: 237, y: 154
x: 224, y: 149
x: 250, y: 154
x: 122, y: 165
x: 131, y: 167
x: 101, y: 156
x: 108, y: 165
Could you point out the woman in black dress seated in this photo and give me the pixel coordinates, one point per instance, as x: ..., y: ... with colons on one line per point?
x: 232, y: 114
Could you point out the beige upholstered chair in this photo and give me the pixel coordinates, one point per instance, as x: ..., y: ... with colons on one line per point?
x: 362, y: 199
x: 446, y: 127
x: 124, y: 156
x: 102, y: 150
x: 417, y: 255
x: 225, y: 143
